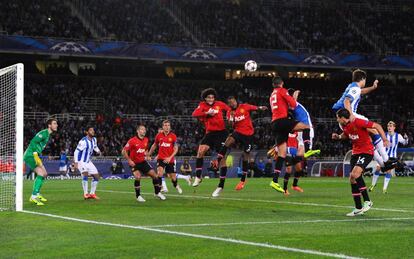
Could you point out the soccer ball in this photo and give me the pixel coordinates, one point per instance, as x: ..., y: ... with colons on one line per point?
x: 250, y: 66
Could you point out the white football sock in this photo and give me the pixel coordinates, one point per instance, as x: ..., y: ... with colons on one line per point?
x: 85, y: 186
x: 94, y: 184
x: 375, y: 177
x: 387, y: 180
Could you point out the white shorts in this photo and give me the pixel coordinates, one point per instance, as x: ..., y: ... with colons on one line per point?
x: 88, y: 167
x: 311, y: 136
x: 63, y: 168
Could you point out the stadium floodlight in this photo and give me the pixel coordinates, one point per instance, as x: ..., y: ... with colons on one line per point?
x: 11, y: 137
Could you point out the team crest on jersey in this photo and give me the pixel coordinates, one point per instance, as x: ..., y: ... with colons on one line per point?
x: 241, y: 110
x: 218, y: 108
x: 169, y: 139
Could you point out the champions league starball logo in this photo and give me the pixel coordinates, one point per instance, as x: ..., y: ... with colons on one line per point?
x: 199, y: 54
x: 70, y: 46
x: 319, y: 59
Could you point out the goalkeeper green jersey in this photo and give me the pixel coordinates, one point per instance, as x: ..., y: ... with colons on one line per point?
x: 38, y: 143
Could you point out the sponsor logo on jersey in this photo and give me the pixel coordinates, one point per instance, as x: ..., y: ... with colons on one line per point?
x: 141, y: 150
x: 239, y: 118
x: 353, y: 137
x: 292, y: 135
x: 163, y: 144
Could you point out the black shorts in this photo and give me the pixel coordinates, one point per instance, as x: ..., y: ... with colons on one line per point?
x: 168, y: 168
x: 143, y: 167
x: 215, y: 139
x: 244, y: 141
x: 289, y: 161
x: 361, y: 160
x: 281, y: 129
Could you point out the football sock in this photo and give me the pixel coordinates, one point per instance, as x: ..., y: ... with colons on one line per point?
x: 137, y: 187
x: 362, y: 188
x: 286, y: 181
x: 94, y: 184
x: 223, y: 173
x: 38, y: 184
x: 387, y: 180
x: 357, y: 195
x: 375, y: 177
x: 278, y: 168
x: 85, y: 184
x: 199, y: 166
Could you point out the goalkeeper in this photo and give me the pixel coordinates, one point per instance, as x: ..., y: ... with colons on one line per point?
x: 32, y: 159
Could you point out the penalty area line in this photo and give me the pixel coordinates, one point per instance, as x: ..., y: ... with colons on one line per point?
x: 267, y: 201
x: 277, y: 222
x: 176, y: 233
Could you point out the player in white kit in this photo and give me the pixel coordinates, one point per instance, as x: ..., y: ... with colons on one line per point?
x: 82, y: 156
x: 394, y: 138
x: 350, y: 100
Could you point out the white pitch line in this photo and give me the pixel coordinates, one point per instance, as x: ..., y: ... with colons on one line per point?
x: 277, y: 222
x: 176, y: 233
x: 268, y: 201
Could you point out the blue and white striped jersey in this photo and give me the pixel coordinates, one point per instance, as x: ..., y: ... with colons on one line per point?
x: 394, y: 140
x: 353, y: 92
x: 84, y: 150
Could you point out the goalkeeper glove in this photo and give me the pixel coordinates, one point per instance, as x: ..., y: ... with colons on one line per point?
x: 37, y: 159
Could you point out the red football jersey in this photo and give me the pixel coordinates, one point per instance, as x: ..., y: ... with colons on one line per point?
x: 240, y: 117
x: 280, y: 101
x: 293, y: 140
x: 165, y: 145
x: 361, y: 140
x: 215, y: 122
x: 136, y: 148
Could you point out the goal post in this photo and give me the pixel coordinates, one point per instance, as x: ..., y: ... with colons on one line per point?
x: 11, y: 137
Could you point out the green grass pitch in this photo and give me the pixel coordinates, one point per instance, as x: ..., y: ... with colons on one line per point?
x: 256, y: 222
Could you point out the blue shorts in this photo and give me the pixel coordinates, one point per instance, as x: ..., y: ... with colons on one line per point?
x: 292, y: 151
x: 302, y: 115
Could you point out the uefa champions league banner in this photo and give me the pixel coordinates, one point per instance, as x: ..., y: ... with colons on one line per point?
x: 114, y: 49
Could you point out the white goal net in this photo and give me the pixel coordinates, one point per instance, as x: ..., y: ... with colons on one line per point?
x: 11, y: 138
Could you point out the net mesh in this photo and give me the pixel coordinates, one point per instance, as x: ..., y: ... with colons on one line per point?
x: 8, y: 81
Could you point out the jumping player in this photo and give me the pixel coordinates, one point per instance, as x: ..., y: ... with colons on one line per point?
x: 282, y: 125
x: 295, y: 153
x: 135, y: 152
x: 350, y: 100
x: 239, y: 117
x: 210, y: 112
x: 166, y: 142
x: 362, y: 154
